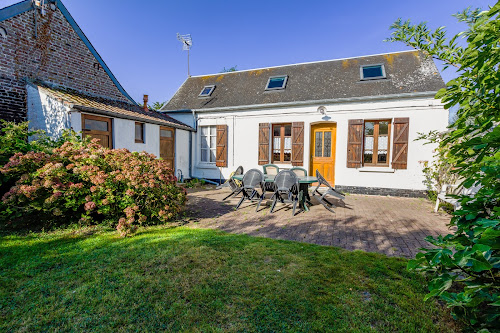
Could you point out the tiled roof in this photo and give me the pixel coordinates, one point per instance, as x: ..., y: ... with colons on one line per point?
x: 101, y: 105
x: 407, y: 72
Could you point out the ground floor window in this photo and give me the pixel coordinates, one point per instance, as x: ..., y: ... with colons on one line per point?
x: 139, y: 132
x: 376, y: 142
x: 208, y: 143
x: 282, y: 143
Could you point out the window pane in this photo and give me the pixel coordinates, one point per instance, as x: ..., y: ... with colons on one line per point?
x: 382, y: 156
x: 138, y: 131
x: 277, y: 130
x: 277, y: 145
x: 318, y: 150
x: 288, y: 143
x: 276, y: 156
x: 204, y: 130
x: 287, y: 155
x: 165, y: 133
x: 327, y: 144
x: 96, y: 125
x: 212, y: 142
x: 206, y: 91
x: 212, y: 130
x: 288, y: 130
x: 204, y: 155
x: 204, y: 142
x: 212, y: 155
x: 368, y: 156
x: 383, y: 127
x: 382, y: 142
x: 369, y: 126
x: 368, y: 142
x: 276, y: 82
x: 372, y: 71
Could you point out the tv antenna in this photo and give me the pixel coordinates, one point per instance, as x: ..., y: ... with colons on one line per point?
x: 187, y: 43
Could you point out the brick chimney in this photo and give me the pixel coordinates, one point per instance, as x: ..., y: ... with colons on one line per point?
x: 145, y: 99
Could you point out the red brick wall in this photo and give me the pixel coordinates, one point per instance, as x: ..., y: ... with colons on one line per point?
x: 57, y: 55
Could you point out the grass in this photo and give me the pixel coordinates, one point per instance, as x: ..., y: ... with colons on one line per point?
x: 197, y: 280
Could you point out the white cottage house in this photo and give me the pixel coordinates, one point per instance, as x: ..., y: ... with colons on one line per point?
x: 355, y: 120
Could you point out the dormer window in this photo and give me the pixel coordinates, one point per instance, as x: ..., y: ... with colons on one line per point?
x: 276, y: 82
x: 372, y: 72
x: 207, y: 91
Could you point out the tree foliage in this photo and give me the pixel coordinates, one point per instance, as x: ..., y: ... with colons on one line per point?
x: 464, y: 266
x: 230, y: 69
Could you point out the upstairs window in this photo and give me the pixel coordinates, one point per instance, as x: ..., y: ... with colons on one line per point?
x: 206, y: 91
x: 372, y: 72
x: 276, y: 82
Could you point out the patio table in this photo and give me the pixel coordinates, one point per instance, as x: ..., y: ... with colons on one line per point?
x: 304, y: 183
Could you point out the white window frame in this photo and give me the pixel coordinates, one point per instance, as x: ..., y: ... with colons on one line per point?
x: 212, y: 87
x: 363, y: 78
x: 275, y: 77
x: 214, y: 148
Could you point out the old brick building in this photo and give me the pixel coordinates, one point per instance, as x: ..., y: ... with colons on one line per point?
x: 44, y: 42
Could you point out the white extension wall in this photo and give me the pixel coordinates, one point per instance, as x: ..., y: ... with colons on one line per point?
x: 425, y: 114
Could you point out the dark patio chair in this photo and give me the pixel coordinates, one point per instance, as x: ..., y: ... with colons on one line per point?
x: 285, y: 186
x: 300, y: 172
x: 252, y: 180
x: 329, y: 190
x: 235, y: 185
x: 270, y: 170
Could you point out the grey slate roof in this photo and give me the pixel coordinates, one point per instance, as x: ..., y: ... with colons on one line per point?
x: 406, y: 72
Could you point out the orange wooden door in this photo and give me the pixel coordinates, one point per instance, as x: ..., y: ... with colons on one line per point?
x: 167, y: 145
x: 98, y: 128
x: 323, y: 139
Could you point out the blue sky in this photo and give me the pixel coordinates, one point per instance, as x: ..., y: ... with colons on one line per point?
x: 137, y: 39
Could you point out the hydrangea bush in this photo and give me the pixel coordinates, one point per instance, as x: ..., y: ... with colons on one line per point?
x: 83, y: 181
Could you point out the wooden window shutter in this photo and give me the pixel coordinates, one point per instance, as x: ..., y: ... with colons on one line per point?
x: 263, y: 143
x: 298, y: 144
x: 355, y: 143
x: 221, y: 150
x: 400, y: 143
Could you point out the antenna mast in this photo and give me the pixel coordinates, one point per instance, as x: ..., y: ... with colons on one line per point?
x: 187, y: 42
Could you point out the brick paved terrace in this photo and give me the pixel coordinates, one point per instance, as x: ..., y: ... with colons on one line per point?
x: 391, y: 225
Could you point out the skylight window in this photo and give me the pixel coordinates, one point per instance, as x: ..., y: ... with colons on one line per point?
x: 206, y: 91
x: 372, y: 72
x: 276, y: 82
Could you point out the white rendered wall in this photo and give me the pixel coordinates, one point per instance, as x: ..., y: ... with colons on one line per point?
x: 182, y: 152
x: 425, y: 114
x: 46, y: 113
x: 124, y: 136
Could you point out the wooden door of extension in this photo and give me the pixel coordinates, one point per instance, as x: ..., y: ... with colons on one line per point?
x: 323, y: 139
x: 98, y: 128
x: 167, y: 145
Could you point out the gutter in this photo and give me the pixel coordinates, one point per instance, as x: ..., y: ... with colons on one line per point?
x: 308, y: 102
x: 129, y: 117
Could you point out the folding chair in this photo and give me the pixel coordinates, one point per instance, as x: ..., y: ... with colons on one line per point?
x: 234, y: 185
x: 329, y: 191
x: 286, y: 185
x: 252, y: 180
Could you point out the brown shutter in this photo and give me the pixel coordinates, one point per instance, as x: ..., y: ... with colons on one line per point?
x: 355, y: 143
x: 221, y: 152
x: 263, y: 143
x: 298, y: 144
x: 400, y: 143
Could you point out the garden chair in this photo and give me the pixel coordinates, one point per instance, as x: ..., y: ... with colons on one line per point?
x: 300, y: 172
x: 449, y: 189
x: 234, y: 185
x: 252, y: 180
x: 271, y: 170
x: 285, y: 186
x: 321, y: 197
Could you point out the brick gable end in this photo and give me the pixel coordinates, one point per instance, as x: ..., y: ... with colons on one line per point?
x: 54, y: 53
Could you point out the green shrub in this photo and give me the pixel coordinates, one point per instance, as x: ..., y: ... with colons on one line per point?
x: 82, y: 181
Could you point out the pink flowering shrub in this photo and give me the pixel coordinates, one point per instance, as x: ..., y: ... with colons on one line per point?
x: 82, y: 181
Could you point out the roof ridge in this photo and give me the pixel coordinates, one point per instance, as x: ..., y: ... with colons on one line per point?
x: 304, y: 63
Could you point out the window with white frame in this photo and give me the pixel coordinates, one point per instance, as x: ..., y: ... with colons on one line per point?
x: 208, y: 143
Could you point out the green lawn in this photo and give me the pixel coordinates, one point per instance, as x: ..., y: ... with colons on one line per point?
x: 182, y: 279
